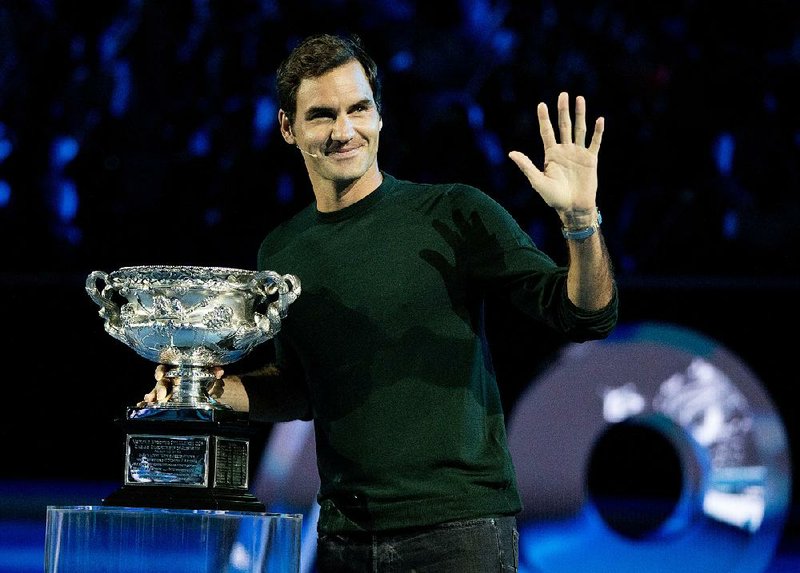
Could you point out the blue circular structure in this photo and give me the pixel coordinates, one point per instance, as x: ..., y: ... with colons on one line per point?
x: 730, y: 444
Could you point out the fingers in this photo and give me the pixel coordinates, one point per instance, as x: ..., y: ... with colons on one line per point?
x: 597, y: 136
x: 565, y: 126
x: 527, y: 167
x: 545, y: 127
x: 161, y: 392
x: 148, y: 398
x: 216, y: 388
x: 580, y: 121
x: 564, y: 119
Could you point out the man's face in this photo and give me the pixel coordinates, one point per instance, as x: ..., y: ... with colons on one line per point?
x: 337, y: 121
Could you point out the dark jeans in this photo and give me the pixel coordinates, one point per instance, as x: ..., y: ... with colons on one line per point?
x: 484, y: 545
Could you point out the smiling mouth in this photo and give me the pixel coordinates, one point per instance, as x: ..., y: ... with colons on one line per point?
x: 343, y: 153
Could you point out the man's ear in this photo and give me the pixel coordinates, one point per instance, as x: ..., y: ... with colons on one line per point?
x: 286, y: 127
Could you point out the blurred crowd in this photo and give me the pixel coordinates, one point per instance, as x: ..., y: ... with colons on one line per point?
x: 144, y: 132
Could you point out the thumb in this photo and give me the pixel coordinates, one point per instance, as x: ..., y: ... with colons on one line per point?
x: 527, y: 167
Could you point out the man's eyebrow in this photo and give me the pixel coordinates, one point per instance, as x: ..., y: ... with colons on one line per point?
x: 321, y: 109
x: 318, y: 109
x: 366, y: 102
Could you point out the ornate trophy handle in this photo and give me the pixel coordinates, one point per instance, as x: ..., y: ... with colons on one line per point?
x: 109, y: 310
x: 269, y: 283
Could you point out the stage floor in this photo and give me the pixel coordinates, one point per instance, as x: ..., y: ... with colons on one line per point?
x: 22, y: 535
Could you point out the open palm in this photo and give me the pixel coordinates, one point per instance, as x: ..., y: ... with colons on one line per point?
x: 568, y: 181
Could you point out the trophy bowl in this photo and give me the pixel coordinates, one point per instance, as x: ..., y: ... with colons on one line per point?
x: 192, y: 318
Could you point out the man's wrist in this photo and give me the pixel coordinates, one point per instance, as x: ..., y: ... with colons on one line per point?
x: 577, y: 226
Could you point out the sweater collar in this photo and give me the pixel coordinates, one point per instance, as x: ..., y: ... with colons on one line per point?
x: 362, y: 205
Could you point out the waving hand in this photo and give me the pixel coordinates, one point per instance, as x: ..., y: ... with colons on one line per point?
x: 568, y: 181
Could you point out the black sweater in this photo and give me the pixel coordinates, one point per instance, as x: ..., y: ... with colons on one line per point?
x: 386, y: 348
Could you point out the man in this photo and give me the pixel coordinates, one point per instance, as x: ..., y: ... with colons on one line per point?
x: 385, y: 349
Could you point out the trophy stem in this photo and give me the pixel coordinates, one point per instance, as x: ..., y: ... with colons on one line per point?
x: 189, y: 385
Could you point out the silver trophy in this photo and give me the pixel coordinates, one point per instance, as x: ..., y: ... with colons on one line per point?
x: 190, y: 451
x: 192, y: 318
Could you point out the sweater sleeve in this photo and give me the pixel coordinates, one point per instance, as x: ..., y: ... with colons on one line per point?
x: 505, y: 263
x: 277, y: 392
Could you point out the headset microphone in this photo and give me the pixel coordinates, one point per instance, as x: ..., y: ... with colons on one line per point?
x: 314, y: 155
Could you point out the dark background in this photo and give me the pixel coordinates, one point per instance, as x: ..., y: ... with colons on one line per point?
x: 145, y: 133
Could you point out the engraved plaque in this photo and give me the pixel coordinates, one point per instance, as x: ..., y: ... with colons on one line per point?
x: 161, y: 460
x: 231, y: 463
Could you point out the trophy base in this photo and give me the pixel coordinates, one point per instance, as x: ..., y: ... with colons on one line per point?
x: 169, y: 497
x: 186, y: 458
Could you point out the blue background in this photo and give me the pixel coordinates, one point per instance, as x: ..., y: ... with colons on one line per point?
x: 145, y: 133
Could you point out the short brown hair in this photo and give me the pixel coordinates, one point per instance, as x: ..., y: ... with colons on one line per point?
x: 316, y: 55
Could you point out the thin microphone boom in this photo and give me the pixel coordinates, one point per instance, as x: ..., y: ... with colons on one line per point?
x: 314, y: 155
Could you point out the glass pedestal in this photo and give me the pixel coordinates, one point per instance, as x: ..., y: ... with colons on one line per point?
x: 107, y: 539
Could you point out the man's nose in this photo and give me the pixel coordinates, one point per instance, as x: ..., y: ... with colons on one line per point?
x: 343, y: 129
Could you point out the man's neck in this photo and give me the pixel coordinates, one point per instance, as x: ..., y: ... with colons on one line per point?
x: 331, y: 198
